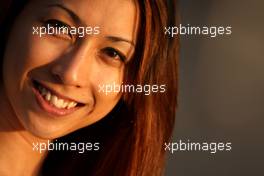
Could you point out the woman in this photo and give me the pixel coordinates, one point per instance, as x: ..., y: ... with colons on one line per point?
x: 55, y: 87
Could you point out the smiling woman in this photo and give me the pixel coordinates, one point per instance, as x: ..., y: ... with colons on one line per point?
x: 49, y: 90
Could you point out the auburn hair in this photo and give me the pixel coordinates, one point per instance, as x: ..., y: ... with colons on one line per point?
x: 133, y: 134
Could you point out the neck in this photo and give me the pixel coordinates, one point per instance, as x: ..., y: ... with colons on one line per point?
x: 17, y: 154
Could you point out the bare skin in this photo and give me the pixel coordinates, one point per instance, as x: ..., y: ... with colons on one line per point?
x: 17, y: 156
x: 68, y: 66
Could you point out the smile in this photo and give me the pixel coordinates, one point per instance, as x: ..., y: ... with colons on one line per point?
x: 52, y: 102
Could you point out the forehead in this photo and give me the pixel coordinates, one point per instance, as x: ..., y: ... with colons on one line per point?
x: 112, y: 16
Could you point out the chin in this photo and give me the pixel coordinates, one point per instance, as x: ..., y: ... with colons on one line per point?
x: 51, y: 128
x: 46, y: 130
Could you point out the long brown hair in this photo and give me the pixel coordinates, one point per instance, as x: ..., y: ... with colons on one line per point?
x: 132, y: 136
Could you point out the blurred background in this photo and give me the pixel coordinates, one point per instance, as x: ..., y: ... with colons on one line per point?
x: 221, y: 95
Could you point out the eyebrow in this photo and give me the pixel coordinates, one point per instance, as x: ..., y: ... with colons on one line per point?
x: 69, y: 11
x: 120, y: 39
x: 76, y: 18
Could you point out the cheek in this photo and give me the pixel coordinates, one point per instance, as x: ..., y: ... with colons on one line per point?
x: 26, y: 51
x: 22, y: 53
x: 40, y: 52
x: 104, y: 78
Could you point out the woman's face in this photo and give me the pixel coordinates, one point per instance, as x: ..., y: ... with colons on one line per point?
x: 54, y: 81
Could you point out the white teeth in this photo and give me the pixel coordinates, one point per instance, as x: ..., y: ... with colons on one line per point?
x: 71, y: 105
x: 59, y: 103
x: 55, y: 101
x: 65, y: 104
x: 48, y: 96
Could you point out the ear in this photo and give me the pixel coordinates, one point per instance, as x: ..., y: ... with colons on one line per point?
x: 4, y: 5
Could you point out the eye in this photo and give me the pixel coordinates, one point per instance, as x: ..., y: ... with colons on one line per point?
x: 58, y: 28
x: 114, y: 54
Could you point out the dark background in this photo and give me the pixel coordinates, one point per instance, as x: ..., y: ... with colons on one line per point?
x: 221, y: 90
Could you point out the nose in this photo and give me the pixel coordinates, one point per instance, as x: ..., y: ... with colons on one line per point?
x: 72, y: 68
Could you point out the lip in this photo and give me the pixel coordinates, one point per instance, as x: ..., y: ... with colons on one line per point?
x: 55, y: 92
x: 44, y: 105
